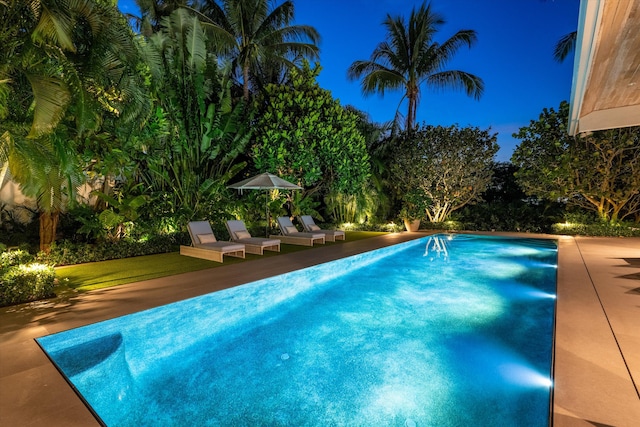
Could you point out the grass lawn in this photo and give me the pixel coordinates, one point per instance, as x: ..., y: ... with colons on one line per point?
x: 104, y: 274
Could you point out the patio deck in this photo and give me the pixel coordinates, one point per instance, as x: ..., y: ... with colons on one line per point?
x: 597, y: 347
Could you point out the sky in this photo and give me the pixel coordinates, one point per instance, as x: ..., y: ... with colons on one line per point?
x: 513, y: 55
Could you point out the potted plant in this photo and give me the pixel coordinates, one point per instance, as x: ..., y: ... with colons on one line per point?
x: 414, y: 204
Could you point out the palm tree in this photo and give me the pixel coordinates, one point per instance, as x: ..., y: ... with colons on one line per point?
x: 61, y: 61
x: 152, y: 13
x: 565, y: 46
x: 68, y: 53
x: 410, y: 58
x: 252, y: 34
x: 48, y: 172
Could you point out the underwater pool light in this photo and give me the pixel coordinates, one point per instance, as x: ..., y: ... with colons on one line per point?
x: 524, y: 375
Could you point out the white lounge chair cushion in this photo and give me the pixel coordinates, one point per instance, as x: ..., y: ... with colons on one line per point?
x: 242, y: 235
x: 206, y: 238
x: 313, y: 227
x: 291, y: 229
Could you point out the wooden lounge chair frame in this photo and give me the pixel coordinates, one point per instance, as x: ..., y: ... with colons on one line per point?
x: 209, y: 251
x: 330, y: 235
x: 253, y: 245
x: 297, y: 237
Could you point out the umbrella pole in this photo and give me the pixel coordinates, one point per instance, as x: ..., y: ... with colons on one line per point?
x: 266, y: 208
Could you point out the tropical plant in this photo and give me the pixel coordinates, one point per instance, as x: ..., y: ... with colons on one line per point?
x: 449, y: 166
x: 565, y: 46
x: 415, y: 203
x: 598, y: 172
x: 254, y: 36
x: 376, y: 193
x: 121, y: 209
x: 76, y: 54
x: 410, y: 58
x: 506, y: 207
x: 66, y: 65
x: 152, y: 12
x: 47, y: 170
x: 198, y: 135
x: 26, y: 282
x: 307, y: 137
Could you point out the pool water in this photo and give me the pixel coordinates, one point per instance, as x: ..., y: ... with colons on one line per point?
x: 446, y: 330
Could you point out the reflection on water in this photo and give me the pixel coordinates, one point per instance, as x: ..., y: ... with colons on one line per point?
x: 437, y: 248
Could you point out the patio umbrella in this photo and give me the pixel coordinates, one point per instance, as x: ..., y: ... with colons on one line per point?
x: 265, y: 181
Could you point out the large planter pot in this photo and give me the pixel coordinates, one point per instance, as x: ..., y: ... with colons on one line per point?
x: 412, y: 225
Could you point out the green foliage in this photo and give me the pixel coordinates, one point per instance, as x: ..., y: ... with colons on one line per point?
x: 307, y: 137
x: 17, y: 225
x: 198, y: 136
x: 376, y: 195
x: 352, y: 208
x: 622, y: 229
x: 451, y: 225
x: 66, y: 252
x: 66, y: 68
x: 507, y: 208
x: 120, y: 209
x: 47, y: 169
x: 12, y: 258
x: 449, y: 167
x: 21, y: 280
x: 519, y: 216
x: 598, y: 172
x: 62, y: 57
x: 26, y: 282
x: 415, y: 203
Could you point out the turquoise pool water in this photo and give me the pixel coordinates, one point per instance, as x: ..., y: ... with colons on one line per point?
x: 447, y: 330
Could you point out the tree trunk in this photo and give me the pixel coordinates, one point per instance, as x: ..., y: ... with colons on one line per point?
x: 412, y: 96
x: 245, y: 85
x: 48, y: 226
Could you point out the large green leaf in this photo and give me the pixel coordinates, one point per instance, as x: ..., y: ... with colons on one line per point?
x: 51, y: 98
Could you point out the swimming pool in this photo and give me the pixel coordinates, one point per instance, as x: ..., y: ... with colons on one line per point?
x: 444, y: 330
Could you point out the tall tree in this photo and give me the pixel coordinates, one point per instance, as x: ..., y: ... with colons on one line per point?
x: 58, y: 54
x: 449, y: 167
x: 48, y: 171
x: 62, y: 61
x: 411, y: 58
x: 252, y: 34
x: 599, y: 172
x: 306, y: 136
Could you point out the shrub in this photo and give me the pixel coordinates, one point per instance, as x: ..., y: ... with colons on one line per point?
x: 11, y: 258
x: 66, y: 252
x: 597, y: 229
x: 513, y: 216
x: 26, y: 282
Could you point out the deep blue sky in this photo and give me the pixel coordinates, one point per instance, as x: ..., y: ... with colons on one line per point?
x: 513, y: 55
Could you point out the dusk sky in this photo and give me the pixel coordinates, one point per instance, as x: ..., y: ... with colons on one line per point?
x: 513, y: 55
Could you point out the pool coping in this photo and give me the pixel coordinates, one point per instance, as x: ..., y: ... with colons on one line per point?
x: 597, y: 346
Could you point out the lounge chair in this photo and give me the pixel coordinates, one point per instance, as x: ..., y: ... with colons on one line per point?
x: 310, y: 226
x: 253, y: 245
x: 291, y: 235
x: 205, y: 245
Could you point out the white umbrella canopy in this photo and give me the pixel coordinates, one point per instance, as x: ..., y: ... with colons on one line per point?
x: 265, y: 181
